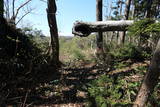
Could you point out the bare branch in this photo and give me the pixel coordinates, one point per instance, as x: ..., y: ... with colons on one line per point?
x: 18, y: 9
x: 29, y: 11
x: 43, y: 1
x: 22, y: 17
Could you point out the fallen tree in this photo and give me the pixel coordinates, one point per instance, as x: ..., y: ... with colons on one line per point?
x: 83, y: 29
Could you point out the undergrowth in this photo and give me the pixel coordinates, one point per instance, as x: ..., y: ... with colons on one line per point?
x: 108, y: 91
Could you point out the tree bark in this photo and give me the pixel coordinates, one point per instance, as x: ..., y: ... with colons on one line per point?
x: 84, y: 29
x: 126, y: 16
x: 150, y: 80
x: 51, y: 14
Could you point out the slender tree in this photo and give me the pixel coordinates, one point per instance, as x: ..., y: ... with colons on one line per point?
x: 99, y: 36
x: 51, y: 14
x: 126, y: 16
x: 121, y: 7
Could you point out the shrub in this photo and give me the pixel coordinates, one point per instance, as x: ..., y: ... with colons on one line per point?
x: 78, y: 55
x: 145, y: 30
x: 76, y: 48
x: 128, y: 51
x: 106, y: 91
x: 139, y: 28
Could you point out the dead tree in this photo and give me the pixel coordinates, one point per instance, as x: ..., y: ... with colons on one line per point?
x: 150, y: 80
x: 51, y: 15
x: 99, y: 36
x: 84, y: 29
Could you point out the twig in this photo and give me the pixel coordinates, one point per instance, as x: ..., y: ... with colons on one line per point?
x: 29, y: 104
x: 43, y: 1
x: 24, y: 103
x: 15, y: 98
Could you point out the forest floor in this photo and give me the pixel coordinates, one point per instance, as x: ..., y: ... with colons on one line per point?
x: 70, y: 89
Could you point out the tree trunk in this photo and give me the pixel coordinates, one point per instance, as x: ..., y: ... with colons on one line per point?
x: 86, y: 28
x: 1, y: 8
x: 2, y: 20
x: 150, y: 80
x: 99, y: 17
x: 148, y: 13
x: 51, y: 14
x: 126, y: 15
x: 132, y: 10
x: 121, y: 7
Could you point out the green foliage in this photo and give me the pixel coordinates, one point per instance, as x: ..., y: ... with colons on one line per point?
x: 139, y: 28
x: 78, y: 55
x: 146, y: 31
x: 108, y: 91
x: 76, y: 48
x: 119, y: 65
x: 143, y: 28
x: 156, y: 95
x: 155, y: 27
x: 38, y: 40
x: 128, y: 51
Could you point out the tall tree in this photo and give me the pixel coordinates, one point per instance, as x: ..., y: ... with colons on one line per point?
x: 51, y: 15
x: 99, y: 17
x: 126, y: 16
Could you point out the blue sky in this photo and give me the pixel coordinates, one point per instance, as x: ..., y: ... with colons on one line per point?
x: 68, y: 11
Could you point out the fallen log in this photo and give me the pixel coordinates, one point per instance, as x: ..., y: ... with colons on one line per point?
x: 84, y: 29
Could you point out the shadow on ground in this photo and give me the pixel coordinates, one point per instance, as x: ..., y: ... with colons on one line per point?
x: 70, y: 87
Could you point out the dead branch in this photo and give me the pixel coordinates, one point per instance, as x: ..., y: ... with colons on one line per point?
x: 18, y: 9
